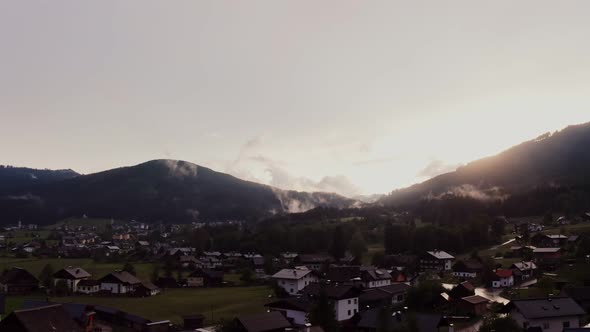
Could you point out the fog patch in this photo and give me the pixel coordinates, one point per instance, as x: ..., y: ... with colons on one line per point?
x: 181, y: 168
x: 471, y: 191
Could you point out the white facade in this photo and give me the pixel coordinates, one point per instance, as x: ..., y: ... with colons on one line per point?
x: 503, y: 282
x: 465, y: 274
x: 72, y: 283
x: 88, y: 289
x: 115, y: 288
x: 346, y: 308
x: 294, y: 286
x: 378, y: 283
x: 547, y: 324
x: 298, y: 317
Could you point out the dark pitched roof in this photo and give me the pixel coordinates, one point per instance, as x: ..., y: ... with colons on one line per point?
x: 88, y: 282
x: 43, y: 319
x: 315, y: 258
x: 18, y: 276
x: 123, y: 277
x: 72, y: 273
x: 292, y: 303
x: 343, y: 273
x: 475, y: 299
x: 426, y: 322
x: 149, y: 285
x: 373, y: 274
x: 267, y: 321
x: 542, y: 308
x: 335, y: 292
x: 394, y: 288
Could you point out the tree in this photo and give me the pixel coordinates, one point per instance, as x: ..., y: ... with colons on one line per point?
x: 384, y: 319
x: 128, y: 267
x: 247, y: 275
x: 338, y: 243
x: 179, y: 276
x: 495, y: 323
x: 378, y: 258
x: 357, y: 246
x: 46, y: 276
x: 168, y: 267
x: 323, y: 314
x: 155, y: 273
x: 424, y: 296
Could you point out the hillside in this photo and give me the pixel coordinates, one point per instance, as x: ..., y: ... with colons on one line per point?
x: 159, y: 190
x: 557, y: 160
x: 12, y: 178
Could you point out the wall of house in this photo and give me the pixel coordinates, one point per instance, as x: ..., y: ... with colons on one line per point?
x: 114, y: 288
x: 503, y: 282
x: 293, y: 286
x: 298, y: 317
x: 378, y: 283
x: 195, y: 282
x: 548, y: 324
x: 346, y: 308
x: 465, y: 274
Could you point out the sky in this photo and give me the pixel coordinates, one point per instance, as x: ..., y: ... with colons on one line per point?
x: 354, y: 97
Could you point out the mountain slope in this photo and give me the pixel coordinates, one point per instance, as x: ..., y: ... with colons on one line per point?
x: 12, y: 178
x: 551, y: 160
x: 161, y: 190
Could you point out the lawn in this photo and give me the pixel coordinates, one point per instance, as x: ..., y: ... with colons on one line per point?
x: 98, y: 270
x: 172, y: 304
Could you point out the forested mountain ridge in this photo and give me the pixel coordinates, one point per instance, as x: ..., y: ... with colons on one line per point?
x: 159, y: 190
x: 22, y: 177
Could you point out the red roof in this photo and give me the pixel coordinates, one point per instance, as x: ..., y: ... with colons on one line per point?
x: 503, y: 273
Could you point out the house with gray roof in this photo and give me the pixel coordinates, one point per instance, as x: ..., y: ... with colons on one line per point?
x: 436, y: 261
x: 295, y: 280
x: 550, y: 314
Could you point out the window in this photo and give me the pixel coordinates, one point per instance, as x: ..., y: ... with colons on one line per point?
x: 356, y: 301
x: 349, y: 313
x: 545, y: 325
x: 349, y: 302
x: 566, y: 324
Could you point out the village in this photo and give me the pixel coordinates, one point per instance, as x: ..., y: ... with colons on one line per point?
x: 434, y: 290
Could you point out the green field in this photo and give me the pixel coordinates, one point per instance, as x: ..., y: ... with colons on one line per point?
x: 172, y: 304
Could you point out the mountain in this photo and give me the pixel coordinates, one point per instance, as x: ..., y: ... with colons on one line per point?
x: 159, y: 190
x: 552, y: 160
x: 12, y: 178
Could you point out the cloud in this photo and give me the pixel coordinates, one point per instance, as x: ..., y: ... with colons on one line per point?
x: 468, y: 190
x: 181, y: 168
x: 437, y: 167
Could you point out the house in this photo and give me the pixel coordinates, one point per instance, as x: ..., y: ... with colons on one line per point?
x: 370, y: 321
x: 190, y: 261
x: 272, y: 321
x: 474, y: 305
x: 372, y: 277
x: 523, y: 271
x: 522, y: 251
x: 210, y: 262
x: 547, y: 257
x: 205, y: 278
x: 120, y: 282
x: 294, y: 309
x: 295, y: 280
x: 503, y: 279
x: 549, y: 241
x: 383, y: 296
x: 344, y: 297
x: 315, y: 262
x: 462, y: 290
x: 48, y: 318
x: 87, y: 286
x: 401, y: 262
x: 147, y: 289
x: 258, y: 262
x: 550, y: 314
x: 436, y: 261
x: 467, y: 269
x: 71, y: 276
x: 18, y: 281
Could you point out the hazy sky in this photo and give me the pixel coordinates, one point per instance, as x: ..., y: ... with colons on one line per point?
x: 347, y: 96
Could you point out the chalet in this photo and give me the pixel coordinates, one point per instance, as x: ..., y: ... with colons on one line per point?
x: 474, y: 305
x: 18, y: 281
x: 523, y: 271
x: 48, y: 318
x: 344, y: 297
x: 370, y: 321
x: 205, y: 278
x: 121, y: 282
x: 147, y: 289
x: 315, y: 262
x: 503, y: 279
x: 548, y: 241
x: 467, y: 269
x: 384, y: 296
x: 549, y: 314
x: 462, y: 290
x: 295, y: 280
x: 71, y: 276
x: 296, y: 310
x: 436, y: 261
x: 547, y: 257
x: 88, y: 287
x: 272, y: 321
x: 372, y: 277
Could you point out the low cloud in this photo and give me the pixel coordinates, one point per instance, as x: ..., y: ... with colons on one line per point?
x: 471, y: 191
x: 180, y: 168
x: 437, y: 167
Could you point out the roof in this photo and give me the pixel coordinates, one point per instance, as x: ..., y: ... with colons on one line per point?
x: 267, y: 321
x: 123, y: 277
x: 439, y: 254
x: 292, y: 303
x: 502, y: 273
x: 296, y: 273
x: 524, y: 266
x: 557, y: 236
x: 72, y: 273
x: 372, y: 274
x: 470, y: 265
x: 315, y: 258
x: 335, y: 292
x: 149, y: 285
x: 43, y: 318
x: 426, y: 322
x: 548, y: 307
x: 343, y: 273
x: 88, y: 282
x: 546, y: 250
x: 475, y: 299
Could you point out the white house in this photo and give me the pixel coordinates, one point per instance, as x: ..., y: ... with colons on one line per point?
x: 436, y: 260
x: 120, y: 282
x: 88, y: 287
x: 344, y: 297
x: 523, y: 270
x: 72, y: 276
x: 372, y: 277
x: 295, y: 280
x: 294, y: 309
x: 550, y: 314
x: 503, y: 279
